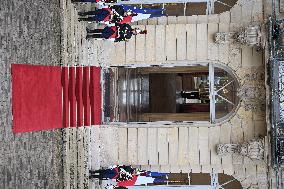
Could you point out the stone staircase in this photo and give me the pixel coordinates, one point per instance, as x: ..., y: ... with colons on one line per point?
x: 81, y: 149
x: 77, y: 143
x: 75, y: 157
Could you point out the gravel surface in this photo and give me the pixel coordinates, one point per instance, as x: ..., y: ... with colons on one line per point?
x: 29, y: 34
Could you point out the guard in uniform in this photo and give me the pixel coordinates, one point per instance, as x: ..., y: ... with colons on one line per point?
x: 117, y: 33
x: 93, y: 1
x: 108, y: 15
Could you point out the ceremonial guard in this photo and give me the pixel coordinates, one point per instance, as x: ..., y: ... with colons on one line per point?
x: 116, y: 18
x: 117, y: 33
x: 93, y: 1
x: 108, y: 15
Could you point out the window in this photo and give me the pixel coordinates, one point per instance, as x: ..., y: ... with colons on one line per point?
x: 179, y: 94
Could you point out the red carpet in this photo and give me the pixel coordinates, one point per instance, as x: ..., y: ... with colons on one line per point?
x: 36, y: 98
x: 79, y: 95
x: 72, y: 96
x: 65, y: 83
x: 86, y: 96
x: 95, y: 94
x: 49, y: 97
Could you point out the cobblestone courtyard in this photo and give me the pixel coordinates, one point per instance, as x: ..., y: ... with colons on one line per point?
x: 29, y: 34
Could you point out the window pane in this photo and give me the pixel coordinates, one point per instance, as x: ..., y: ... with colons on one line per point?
x: 174, y: 9
x: 223, y: 5
x: 225, y: 88
x: 149, y: 94
x: 163, y: 94
x: 196, y: 9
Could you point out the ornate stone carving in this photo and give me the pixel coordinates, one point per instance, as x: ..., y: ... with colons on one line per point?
x: 253, y: 97
x: 252, y: 92
x: 280, y: 131
x: 255, y: 75
x: 254, y: 149
x: 253, y: 186
x: 223, y: 149
x: 250, y: 36
x: 224, y: 37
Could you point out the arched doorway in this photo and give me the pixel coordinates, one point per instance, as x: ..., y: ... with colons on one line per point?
x: 194, y: 93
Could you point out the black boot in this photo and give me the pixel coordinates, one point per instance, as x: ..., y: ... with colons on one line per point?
x: 91, y: 172
x: 81, y: 14
x: 76, y: 1
x: 88, y: 37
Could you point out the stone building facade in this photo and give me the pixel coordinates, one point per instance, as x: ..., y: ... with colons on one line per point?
x: 174, y: 147
x: 168, y: 146
x: 192, y: 148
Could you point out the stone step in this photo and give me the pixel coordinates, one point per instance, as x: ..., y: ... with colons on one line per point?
x: 281, y: 6
x: 76, y: 51
x: 76, y: 157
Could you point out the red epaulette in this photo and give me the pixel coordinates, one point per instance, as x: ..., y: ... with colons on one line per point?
x: 126, y: 19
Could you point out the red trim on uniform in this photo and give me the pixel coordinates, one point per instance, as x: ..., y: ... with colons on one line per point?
x: 114, y: 28
x: 116, y: 176
x: 126, y: 19
x: 107, y: 18
x: 128, y: 182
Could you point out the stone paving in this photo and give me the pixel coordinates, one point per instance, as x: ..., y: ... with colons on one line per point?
x: 29, y: 34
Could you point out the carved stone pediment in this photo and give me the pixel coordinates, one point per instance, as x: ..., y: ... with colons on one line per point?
x: 253, y: 97
x: 252, y: 92
x: 254, y: 149
x: 250, y: 36
x: 223, y: 149
x: 253, y: 186
x: 224, y: 37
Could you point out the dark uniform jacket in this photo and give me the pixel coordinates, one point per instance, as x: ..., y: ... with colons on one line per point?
x: 124, y: 32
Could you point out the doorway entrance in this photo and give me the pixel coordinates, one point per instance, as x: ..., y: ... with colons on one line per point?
x: 203, y: 93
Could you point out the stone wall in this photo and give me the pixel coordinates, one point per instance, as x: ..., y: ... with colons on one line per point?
x: 192, y: 148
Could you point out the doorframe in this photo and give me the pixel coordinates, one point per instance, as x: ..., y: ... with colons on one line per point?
x: 171, y: 64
